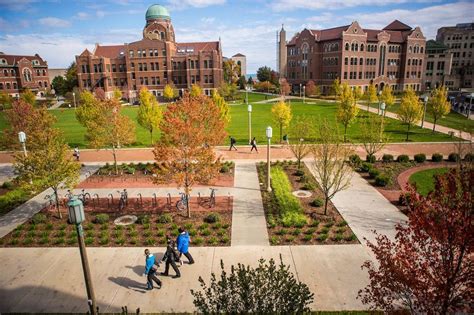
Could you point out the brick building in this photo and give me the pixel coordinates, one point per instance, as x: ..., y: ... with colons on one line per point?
x: 393, y: 56
x: 438, y: 61
x: 153, y: 62
x: 18, y: 73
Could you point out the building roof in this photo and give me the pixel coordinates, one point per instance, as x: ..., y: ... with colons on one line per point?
x: 238, y: 55
x: 433, y: 45
x: 14, y: 59
x: 397, y: 26
x: 157, y: 11
x: 111, y: 51
x: 199, y: 46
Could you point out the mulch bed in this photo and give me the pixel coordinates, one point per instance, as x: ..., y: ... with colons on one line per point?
x: 320, y: 228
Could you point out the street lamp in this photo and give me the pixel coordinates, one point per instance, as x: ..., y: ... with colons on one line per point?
x: 74, y: 97
x: 304, y: 92
x: 300, y: 90
x: 425, y: 100
x: 382, y: 109
x: 269, y: 138
x: 76, y: 216
x: 249, y: 109
x: 246, y: 94
x: 22, y: 138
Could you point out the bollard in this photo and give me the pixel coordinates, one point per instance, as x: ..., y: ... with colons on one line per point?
x: 153, y: 200
x: 169, y: 200
x: 141, y: 200
x: 108, y: 200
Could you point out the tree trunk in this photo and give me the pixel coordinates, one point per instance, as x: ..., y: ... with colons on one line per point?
x: 408, y: 131
x: 151, y: 137
x: 57, y: 202
x: 299, y: 163
x: 434, y: 124
x: 281, y: 126
x: 115, y: 159
x: 345, y: 132
x: 368, y: 107
x: 188, y: 208
x: 326, y: 201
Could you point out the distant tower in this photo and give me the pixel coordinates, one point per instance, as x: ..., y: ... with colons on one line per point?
x: 282, y: 53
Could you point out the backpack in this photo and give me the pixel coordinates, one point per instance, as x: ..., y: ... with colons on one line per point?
x: 232, y: 140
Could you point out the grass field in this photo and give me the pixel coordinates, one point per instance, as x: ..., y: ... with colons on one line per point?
x: 261, y: 118
x: 424, y: 180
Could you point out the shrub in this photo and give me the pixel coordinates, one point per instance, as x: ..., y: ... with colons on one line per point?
x: 212, y: 240
x: 296, y: 232
x: 404, y: 199
x: 61, y: 234
x: 206, y: 232
x: 469, y: 157
x: 188, y: 226
x: 7, y: 185
x: 382, y: 180
x: 387, y: 158
x: 403, y: 158
x: 104, y: 227
x: 89, y: 240
x: 225, y: 239
x: 27, y: 241
x: 371, y: 158
x: 420, y: 157
x: 101, y: 218
x: 281, y: 231
x: 221, y: 232
x: 212, y: 218
x: 12, y: 199
x: 133, y: 240
x: 299, y: 173
x: 147, y: 233
x: 217, y: 226
x: 62, y: 227
x: 71, y: 241
x: 165, y: 218
x: 307, y: 238
x: 365, y: 167
x: 149, y: 241
x: 329, y: 224
x: 133, y: 233
x: 437, y: 157
x: 49, y: 227
x: 337, y: 237
x: 143, y: 219
x: 310, y: 231
x: 322, y: 237
x: 454, y: 157
x: 31, y: 234
x: 89, y: 226
x: 203, y: 226
x: 315, y: 223
x: 191, y: 232
x: 290, y: 238
x: 59, y: 241
x: 374, y: 172
x: 309, y: 186
x: 355, y: 160
x: 342, y: 223
x: 38, y: 218
x: 226, y: 226
x: 351, y: 237
x: 274, y: 240
x: 198, y: 241
x: 120, y: 241
x: 224, y: 169
x: 318, y: 202
x: 324, y: 230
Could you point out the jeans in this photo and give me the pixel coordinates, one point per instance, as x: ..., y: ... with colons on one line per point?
x: 152, y: 277
x: 188, y: 256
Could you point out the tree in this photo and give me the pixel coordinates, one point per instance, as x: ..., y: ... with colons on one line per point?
x: 301, y: 130
x: 250, y: 81
x: 106, y: 126
x: 228, y: 91
x: 117, y: 94
x: 71, y: 77
x: 285, y: 88
x: 387, y: 97
x: 149, y: 112
x: 88, y: 103
x: 49, y: 165
x: 410, y: 110
x: 59, y: 85
x: 336, y: 87
x: 169, y: 92
x: 438, y: 105
x: 428, y: 266
x: 281, y: 113
x: 264, y: 74
x: 6, y: 101
x: 347, y: 108
x: 189, y: 129
x: 373, y: 137
x: 242, y: 82
x: 371, y: 95
x: 329, y: 166
x: 265, y: 86
x: 231, y: 71
x: 310, y: 88
x: 267, y: 289
x: 358, y: 94
x: 28, y: 97
x: 195, y: 90
x: 224, y: 109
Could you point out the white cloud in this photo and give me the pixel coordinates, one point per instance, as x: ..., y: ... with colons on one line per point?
x: 288, y: 5
x: 15, y: 5
x: 100, y: 13
x: 54, y: 22
x: 184, y: 4
x: 208, y: 20
x: 325, y: 17
x: 82, y: 16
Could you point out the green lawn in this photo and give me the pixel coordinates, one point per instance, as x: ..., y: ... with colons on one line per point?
x: 452, y: 120
x: 424, y: 180
x: 261, y: 118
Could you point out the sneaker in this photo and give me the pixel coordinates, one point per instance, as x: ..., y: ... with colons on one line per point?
x: 176, y: 276
x: 191, y: 262
x: 164, y: 274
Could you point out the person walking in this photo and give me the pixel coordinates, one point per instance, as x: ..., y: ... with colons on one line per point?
x: 253, y: 143
x: 182, y: 244
x: 285, y: 139
x: 232, y: 143
x: 171, y: 257
x: 150, y: 270
x: 76, y: 153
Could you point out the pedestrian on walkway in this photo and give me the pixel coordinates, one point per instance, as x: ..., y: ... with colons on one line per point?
x: 182, y: 244
x: 150, y: 270
x: 76, y: 153
x: 285, y: 139
x: 232, y: 143
x: 253, y: 143
x: 171, y: 256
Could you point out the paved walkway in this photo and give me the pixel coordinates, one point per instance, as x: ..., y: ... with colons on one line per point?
x: 427, y: 125
x: 22, y: 213
x: 6, y: 173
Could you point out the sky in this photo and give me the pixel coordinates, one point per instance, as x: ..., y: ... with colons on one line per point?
x: 58, y: 30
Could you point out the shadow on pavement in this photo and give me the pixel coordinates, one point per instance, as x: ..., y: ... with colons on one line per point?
x: 130, y: 284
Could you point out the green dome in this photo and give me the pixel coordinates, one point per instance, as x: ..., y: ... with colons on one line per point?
x: 157, y: 11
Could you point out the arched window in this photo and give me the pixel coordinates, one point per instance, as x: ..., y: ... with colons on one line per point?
x: 44, y: 72
x: 410, y: 49
x: 40, y: 84
x: 27, y: 75
x: 382, y: 59
x: 361, y: 47
x: 361, y: 61
x: 347, y: 46
x: 5, y: 72
x: 45, y: 84
x: 353, y: 47
x: 356, y: 47
x: 163, y: 35
x: 346, y: 61
x: 13, y: 72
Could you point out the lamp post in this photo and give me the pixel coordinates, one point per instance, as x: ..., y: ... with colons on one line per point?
x: 269, y: 138
x: 304, y: 92
x: 425, y: 100
x: 300, y: 90
x: 246, y: 94
x: 249, y: 109
x: 74, y: 98
x: 382, y: 109
x: 378, y: 110
x: 22, y: 138
x: 76, y: 216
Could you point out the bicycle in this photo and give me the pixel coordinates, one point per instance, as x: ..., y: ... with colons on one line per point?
x: 123, y: 199
x: 83, y: 196
x: 182, y: 204
x: 212, y: 199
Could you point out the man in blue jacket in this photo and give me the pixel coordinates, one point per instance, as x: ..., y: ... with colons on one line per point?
x: 182, y: 244
x: 150, y: 271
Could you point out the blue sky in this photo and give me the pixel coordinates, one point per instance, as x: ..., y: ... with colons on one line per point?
x: 60, y: 29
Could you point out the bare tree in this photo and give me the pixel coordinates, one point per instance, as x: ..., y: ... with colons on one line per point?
x: 329, y: 166
x: 373, y: 136
x: 301, y: 130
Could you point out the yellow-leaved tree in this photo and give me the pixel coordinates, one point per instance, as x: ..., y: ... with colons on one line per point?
x: 387, y: 97
x: 170, y: 93
x: 347, y: 109
x: 371, y: 95
x: 358, y: 93
x: 410, y: 110
x: 149, y: 113
x: 224, y: 109
x: 117, y: 94
x: 195, y: 90
x: 438, y: 105
x: 336, y: 87
x: 281, y: 113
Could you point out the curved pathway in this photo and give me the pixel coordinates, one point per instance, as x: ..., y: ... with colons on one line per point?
x: 404, y: 177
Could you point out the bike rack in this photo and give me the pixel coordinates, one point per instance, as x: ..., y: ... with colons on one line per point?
x: 94, y: 200
x: 153, y: 200
x: 108, y: 200
x: 168, y: 200
x: 141, y: 200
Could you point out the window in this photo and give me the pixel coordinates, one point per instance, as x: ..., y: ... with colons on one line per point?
x: 150, y: 52
x: 347, y: 46
x: 144, y: 52
x: 1, y: 86
x: 131, y: 53
x: 27, y: 75
x: 156, y: 52
x: 114, y: 68
x: 345, y: 75
x: 346, y: 61
x: 361, y: 61
x: 44, y: 72
x: 361, y: 47
x: 139, y: 53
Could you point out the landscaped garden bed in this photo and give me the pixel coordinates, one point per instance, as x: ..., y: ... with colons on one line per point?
x: 293, y: 218
x: 11, y: 196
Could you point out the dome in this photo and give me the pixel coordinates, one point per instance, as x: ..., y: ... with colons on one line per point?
x: 157, y: 11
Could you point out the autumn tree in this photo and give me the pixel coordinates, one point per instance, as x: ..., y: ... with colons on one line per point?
x: 410, y: 110
x: 281, y: 113
x: 438, y: 105
x: 387, y: 97
x: 428, y: 267
x: 336, y: 87
x: 265, y: 86
x: 329, y: 166
x: 195, y: 90
x: 169, y: 92
x: 231, y: 71
x: 149, y: 112
x: 117, y: 94
x: 371, y: 95
x: 358, y: 94
x: 88, y: 103
x: 228, y: 91
x: 6, y: 101
x: 49, y: 165
x: 224, y: 109
x: 189, y: 129
x: 373, y: 137
x: 301, y: 130
x: 310, y: 88
x: 285, y: 88
x: 347, y: 109
x: 28, y: 97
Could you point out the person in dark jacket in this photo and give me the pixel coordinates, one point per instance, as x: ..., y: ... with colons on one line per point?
x: 150, y: 271
x: 171, y: 256
x: 253, y: 143
x: 182, y: 244
x: 232, y: 143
